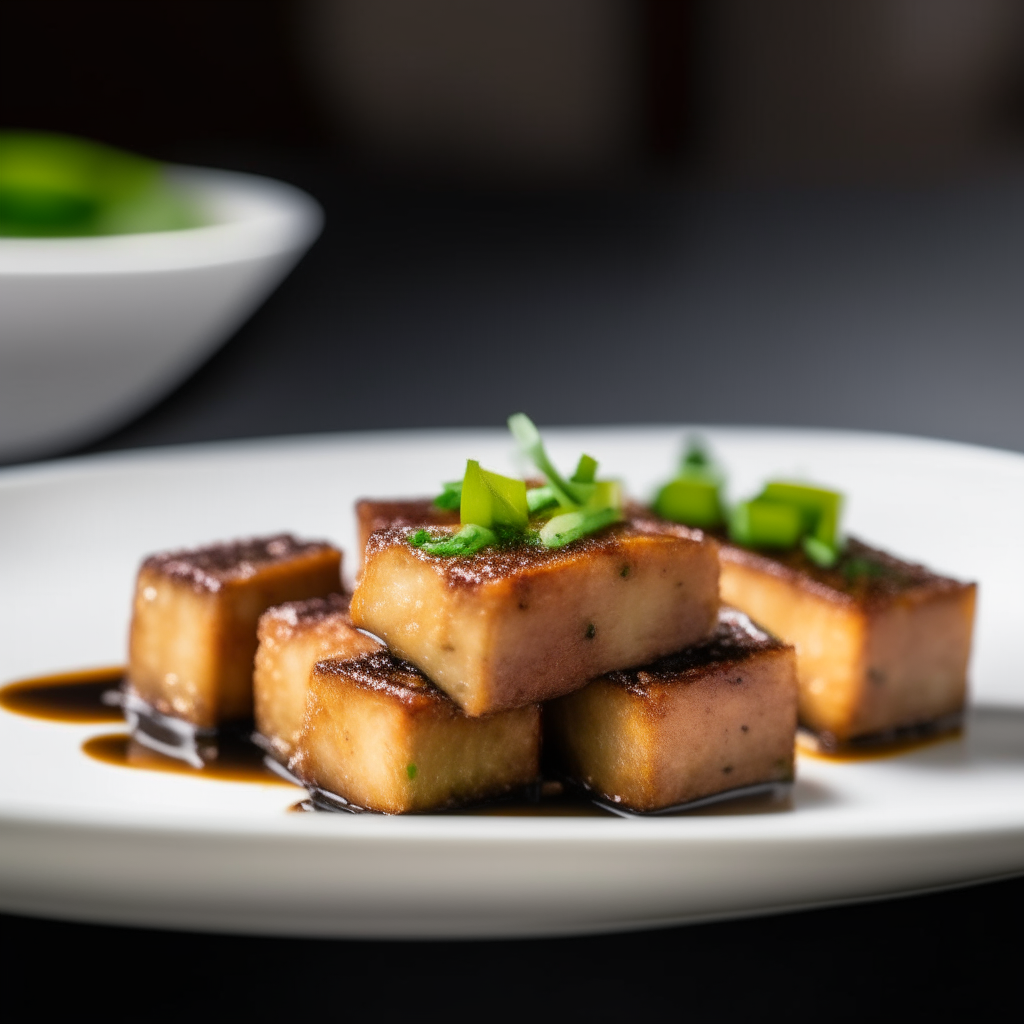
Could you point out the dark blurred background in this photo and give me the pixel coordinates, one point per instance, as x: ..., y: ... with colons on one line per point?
x: 600, y: 212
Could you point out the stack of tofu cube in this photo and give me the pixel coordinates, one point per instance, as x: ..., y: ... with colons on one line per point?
x: 442, y: 678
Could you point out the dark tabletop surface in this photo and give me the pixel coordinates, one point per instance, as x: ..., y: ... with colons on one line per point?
x: 870, y: 309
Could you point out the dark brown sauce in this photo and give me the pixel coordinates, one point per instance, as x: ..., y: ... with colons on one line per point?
x: 235, y: 762
x: 69, y: 697
x: 91, y: 696
x: 876, y: 751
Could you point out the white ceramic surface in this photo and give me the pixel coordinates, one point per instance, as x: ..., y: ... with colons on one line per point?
x: 85, y: 840
x: 93, y: 330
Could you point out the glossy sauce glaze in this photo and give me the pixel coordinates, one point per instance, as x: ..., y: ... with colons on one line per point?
x: 94, y: 696
x: 234, y: 761
x: 72, y: 697
x: 879, y: 747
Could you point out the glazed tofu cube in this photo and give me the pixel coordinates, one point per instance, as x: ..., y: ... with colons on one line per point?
x: 512, y: 626
x: 717, y: 716
x: 193, y: 632
x: 881, y: 644
x: 379, y: 735
x: 293, y: 637
x: 378, y: 514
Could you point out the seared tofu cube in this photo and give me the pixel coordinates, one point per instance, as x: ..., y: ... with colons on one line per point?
x: 719, y: 715
x: 378, y: 734
x: 510, y: 626
x: 193, y: 632
x: 293, y: 637
x: 881, y: 644
x: 378, y: 514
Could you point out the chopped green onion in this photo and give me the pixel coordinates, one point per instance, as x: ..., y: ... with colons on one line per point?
x: 586, y: 470
x: 526, y: 433
x: 606, y: 494
x: 696, y: 456
x: 820, y: 508
x: 692, y: 500
x: 766, y: 524
x: 490, y: 499
x: 570, y: 526
x: 820, y: 553
x: 540, y: 498
x: 468, y: 541
x: 451, y: 496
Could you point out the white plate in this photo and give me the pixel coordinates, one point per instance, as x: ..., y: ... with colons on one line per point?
x: 85, y: 840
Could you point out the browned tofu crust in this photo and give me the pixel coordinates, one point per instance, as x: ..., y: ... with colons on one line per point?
x: 378, y: 734
x: 717, y: 716
x: 193, y: 632
x: 882, y: 644
x: 520, y: 624
x: 216, y: 566
x: 292, y: 638
x: 379, y: 513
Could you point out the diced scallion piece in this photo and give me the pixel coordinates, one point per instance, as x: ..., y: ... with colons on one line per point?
x: 540, y: 498
x: 586, y: 470
x: 469, y: 540
x: 526, y: 433
x: 451, y: 496
x: 820, y: 508
x: 490, y: 499
x: 696, y: 456
x: 768, y: 524
x: 820, y: 553
x: 564, y: 529
x: 606, y: 494
x: 692, y: 500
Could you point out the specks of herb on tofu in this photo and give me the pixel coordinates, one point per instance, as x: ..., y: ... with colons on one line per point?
x: 410, y: 770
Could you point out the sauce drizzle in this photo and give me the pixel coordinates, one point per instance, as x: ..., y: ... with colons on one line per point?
x: 70, y: 697
x: 94, y: 696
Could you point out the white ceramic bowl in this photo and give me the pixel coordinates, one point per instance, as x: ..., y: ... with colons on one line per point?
x: 93, y: 330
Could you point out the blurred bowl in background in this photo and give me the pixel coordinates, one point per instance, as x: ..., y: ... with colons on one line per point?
x: 94, y: 330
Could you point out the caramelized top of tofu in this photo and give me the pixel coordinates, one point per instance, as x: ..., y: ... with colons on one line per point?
x: 863, y: 575
x: 210, y: 568
x: 507, y: 561
x: 378, y: 514
x: 383, y: 673
x: 308, y: 612
x: 374, y: 514
x: 735, y: 639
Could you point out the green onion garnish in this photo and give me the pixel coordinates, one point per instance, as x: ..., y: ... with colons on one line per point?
x: 820, y: 553
x: 586, y: 470
x: 766, y: 524
x: 540, y: 498
x: 570, y: 526
x: 690, y: 500
x: 451, y: 496
x: 468, y: 541
x: 820, y: 508
x: 694, y: 496
x: 528, y: 436
x: 490, y: 499
x: 496, y: 509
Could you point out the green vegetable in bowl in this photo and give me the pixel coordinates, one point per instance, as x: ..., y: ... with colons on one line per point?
x: 59, y: 186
